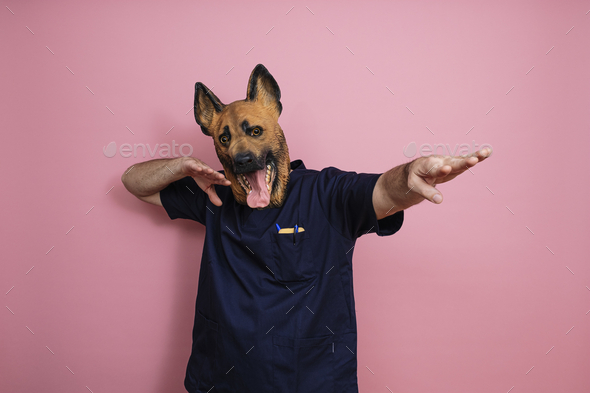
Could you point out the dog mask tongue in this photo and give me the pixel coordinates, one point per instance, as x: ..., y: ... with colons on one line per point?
x: 259, y: 197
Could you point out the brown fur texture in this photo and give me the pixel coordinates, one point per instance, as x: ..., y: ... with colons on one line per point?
x: 236, y: 124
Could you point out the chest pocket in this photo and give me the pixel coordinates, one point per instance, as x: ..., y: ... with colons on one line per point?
x: 293, y: 262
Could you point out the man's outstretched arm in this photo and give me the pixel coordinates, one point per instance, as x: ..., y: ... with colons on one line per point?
x: 411, y: 183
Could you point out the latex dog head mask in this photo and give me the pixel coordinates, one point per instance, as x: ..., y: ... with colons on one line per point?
x: 248, y: 140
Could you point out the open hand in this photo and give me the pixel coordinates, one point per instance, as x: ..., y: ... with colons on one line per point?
x: 426, y: 172
x: 205, y: 177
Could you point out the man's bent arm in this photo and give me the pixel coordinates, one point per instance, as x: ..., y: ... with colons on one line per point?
x: 146, y: 179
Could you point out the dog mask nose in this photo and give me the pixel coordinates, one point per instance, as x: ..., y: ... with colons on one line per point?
x: 243, y: 159
x: 246, y: 162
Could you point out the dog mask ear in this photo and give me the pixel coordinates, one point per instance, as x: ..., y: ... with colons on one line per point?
x: 207, y: 107
x: 263, y: 88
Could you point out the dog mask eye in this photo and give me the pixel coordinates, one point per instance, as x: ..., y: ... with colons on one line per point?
x: 256, y: 131
x: 224, y: 139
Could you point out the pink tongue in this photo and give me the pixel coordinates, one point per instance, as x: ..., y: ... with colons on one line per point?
x: 259, y: 197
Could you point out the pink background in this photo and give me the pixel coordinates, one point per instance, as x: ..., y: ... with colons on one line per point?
x: 463, y: 298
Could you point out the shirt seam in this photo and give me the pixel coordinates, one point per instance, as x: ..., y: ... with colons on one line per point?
x: 326, y: 216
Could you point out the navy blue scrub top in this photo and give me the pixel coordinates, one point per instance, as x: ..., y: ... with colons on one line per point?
x: 273, y: 316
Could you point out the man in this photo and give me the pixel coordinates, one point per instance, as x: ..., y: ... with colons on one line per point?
x: 275, y: 304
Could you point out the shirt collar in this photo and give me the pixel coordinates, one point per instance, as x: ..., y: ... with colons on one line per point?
x: 297, y: 164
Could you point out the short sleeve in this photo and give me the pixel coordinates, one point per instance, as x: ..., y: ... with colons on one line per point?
x: 184, y: 199
x: 346, y: 199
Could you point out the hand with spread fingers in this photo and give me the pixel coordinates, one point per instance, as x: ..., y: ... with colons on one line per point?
x: 425, y: 173
x: 411, y: 183
x: 205, y: 177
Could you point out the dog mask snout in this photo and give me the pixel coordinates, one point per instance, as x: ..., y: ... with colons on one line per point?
x: 245, y: 162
